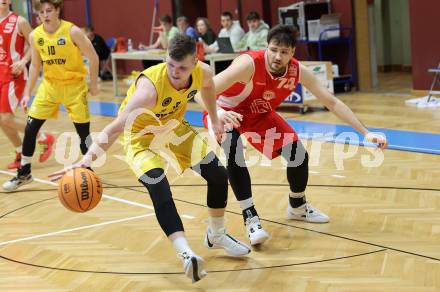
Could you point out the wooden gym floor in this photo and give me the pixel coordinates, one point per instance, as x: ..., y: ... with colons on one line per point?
x: 384, y: 233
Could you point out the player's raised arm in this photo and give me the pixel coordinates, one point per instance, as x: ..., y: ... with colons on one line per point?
x: 241, y: 70
x: 336, y: 106
x: 87, y: 49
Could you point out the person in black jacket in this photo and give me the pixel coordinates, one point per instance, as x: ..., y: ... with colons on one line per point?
x: 102, y: 50
x: 204, y: 31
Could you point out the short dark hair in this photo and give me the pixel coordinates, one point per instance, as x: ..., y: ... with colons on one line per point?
x: 182, y: 18
x: 253, y: 15
x: 55, y: 3
x: 228, y: 14
x: 166, y: 19
x: 283, y: 35
x: 181, y: 46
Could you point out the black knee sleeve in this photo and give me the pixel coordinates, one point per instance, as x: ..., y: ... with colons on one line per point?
x: 216, y: 176
x: 297, y: 160
x: 237, y: 171
x: 83, y: 130
x: 33, y: 126
x: 166, y: 213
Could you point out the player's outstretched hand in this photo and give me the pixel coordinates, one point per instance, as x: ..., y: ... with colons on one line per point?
x: 230, y: 118
x: 84, y: 162
x: 379, y: 139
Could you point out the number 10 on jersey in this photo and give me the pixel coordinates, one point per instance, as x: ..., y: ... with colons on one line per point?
x: 51, y: 50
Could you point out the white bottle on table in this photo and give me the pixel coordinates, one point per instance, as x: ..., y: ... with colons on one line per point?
x: 130, y: 45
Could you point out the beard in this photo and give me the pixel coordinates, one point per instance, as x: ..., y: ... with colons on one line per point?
x: 277, y: 69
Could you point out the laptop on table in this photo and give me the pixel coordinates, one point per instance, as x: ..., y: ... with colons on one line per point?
x: 225, y: 46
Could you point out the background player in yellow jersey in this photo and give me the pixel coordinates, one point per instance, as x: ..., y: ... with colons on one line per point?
x: 58, y: 45
x: 151, y: 119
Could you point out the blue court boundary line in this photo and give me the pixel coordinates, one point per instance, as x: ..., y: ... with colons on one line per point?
x: 420, y: 142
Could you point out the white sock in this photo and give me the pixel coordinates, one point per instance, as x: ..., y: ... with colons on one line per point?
x: 19, y: 149
x: 41, y: 136
x: 216, y: 224
x: 181, y: 245
x: 25, y: 160
x: 297, y: 195
x: 244, y: 204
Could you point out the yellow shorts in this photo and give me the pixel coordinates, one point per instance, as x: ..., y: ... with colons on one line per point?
x: 49, y: 97
x: 180, y: 148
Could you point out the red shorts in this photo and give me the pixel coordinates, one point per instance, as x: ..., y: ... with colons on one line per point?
x: 268, y: 132
x: 10, y: 95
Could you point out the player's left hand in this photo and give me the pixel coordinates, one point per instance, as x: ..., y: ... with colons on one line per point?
x: 379, y: 139
x: 230, y: 119
x: 17, y: 67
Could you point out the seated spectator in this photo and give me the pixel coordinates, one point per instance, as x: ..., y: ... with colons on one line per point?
x: 204, y: 31
x: 102, y: 51
x: 185, y: 28
x: 166, y: 31
x: 256, y: 37
x: 230, y: 29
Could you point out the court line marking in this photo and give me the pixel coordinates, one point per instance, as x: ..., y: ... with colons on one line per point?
x: 338, y: 176
x: 74, y: 229
x: 47, y: 182
x: 181, y: 273
x: 323, y: 232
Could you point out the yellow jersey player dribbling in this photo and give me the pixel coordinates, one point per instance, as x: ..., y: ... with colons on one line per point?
x: 59, y: 46
x: 154, y: 133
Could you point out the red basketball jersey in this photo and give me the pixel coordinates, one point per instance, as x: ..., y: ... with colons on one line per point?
x: 11, y: 46
x: 264, y: 93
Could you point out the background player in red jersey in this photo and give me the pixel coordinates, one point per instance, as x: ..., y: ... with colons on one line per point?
x: 14, y: 55
x: 250, y: 90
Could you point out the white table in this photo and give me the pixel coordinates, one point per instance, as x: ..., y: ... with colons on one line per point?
x: 218, y: 57
x: 159, y: 56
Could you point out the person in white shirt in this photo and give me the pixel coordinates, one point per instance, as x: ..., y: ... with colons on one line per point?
x: 230, y: 29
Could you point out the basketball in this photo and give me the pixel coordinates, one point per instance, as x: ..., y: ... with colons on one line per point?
x: 80, y: 190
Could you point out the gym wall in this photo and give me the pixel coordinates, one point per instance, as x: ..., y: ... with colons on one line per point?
x: 425, y: 40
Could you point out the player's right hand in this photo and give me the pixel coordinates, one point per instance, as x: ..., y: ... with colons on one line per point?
x: 378, y: 138
x: 25, y: 102
x: 218, y: 130
x: 230, y: 119
x: 84, y: 162
x: 94, y: 91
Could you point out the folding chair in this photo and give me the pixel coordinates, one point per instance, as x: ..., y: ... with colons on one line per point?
x: 436, y: 80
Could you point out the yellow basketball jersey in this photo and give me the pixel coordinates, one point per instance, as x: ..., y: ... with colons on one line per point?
x: 171, y: 103
x: 62, y: 60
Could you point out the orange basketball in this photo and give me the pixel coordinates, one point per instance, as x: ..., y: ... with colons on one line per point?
x: 80, y: 190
